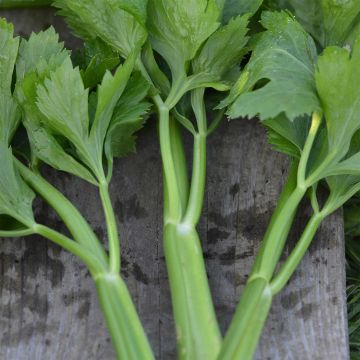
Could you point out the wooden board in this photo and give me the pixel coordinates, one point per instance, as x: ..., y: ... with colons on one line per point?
x: 48, y: 306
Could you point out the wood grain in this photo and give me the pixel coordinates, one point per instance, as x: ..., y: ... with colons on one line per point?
x: 48, y: 306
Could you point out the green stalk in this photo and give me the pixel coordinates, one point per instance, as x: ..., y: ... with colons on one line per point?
x: 87, y: 257
x: 244, y: 332
x: 178, y: 89
x: 197, y: 191
x: 302, y: 174
x: 179, y: 158
x: 196, y: 198
x: 255, y: 304
x: 128, y: 337
x: 275, y: 238
x: 77, y: 225
x: 170, y: 175
x: 114, y: 245
x: 274, y: 241
x: 250, y: 317
x: 294, y: 259
x: 198, y: 333
x: 245, y: 329
x: 288, y: 189
x: 8, y: 4
x: 252, y: 310
x: 16, y: 233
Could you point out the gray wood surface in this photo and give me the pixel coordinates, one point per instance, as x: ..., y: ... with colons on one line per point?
x: 48, y: 302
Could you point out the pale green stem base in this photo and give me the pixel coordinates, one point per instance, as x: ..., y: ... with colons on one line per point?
x: 128, y: 337
x: 248, y: 322
x: 198, y: 334
x: 251, y: 313
x: 255, y: 303
x: 197, y: 329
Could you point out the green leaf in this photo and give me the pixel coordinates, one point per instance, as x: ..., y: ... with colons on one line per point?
x: 94, y: 59
x: 288, y: 136
x: 138, y: 8
x: 282, y: 65
x: 45, y: 54
x: 9, y: 113
x: 234, y: 8
x: 63, y: 100
x: 36, y: 53
x: 350, y: 166
x: 46, y: 148
x: 119, y: 23
x: 44, y: 145
x: 9, y: 117
x: 128, y: 118
x: 337, y: 81
x: 179, y: 27
x: 223, y: 50
x: 15, y: 196
x: 342, y: 188
x: 330, y: 22
x: 109, y: 93
x: 8, y: 53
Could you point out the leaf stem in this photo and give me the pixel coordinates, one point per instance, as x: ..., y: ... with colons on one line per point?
x: 179, y: 158
x: 77, y: 225
x: 174, y: 197
x: 315, y: 124
x: 198, y: 334
x: 256, y: 300
x: 196, y: 198
x: 112, y: 231
x: 197, y: 190
x: 279, y: 227
x: 16, y: 233
x: 177, y: 91
x: 196, y: 324
x: 294, y: 259
x: 245, y: 329
x: 250, y: 316
x: 92, y: 262
x: 128, y: 336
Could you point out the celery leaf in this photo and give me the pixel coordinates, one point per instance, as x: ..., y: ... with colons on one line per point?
x: 178, y: 28
x: 119, y: 23
x: 94, y: 59
x: 330, y: 22
x: 279, y: 77
x: 234, y: 8
x: 128, y: 118
x: 9, y: 113
x: 337, y: 81
x: 223, y: 50
x: 15, y: 196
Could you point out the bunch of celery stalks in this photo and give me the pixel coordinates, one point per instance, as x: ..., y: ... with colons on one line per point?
x: 177, y: 57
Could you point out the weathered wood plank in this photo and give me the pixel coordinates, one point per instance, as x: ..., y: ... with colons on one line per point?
x: 49, y: 308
